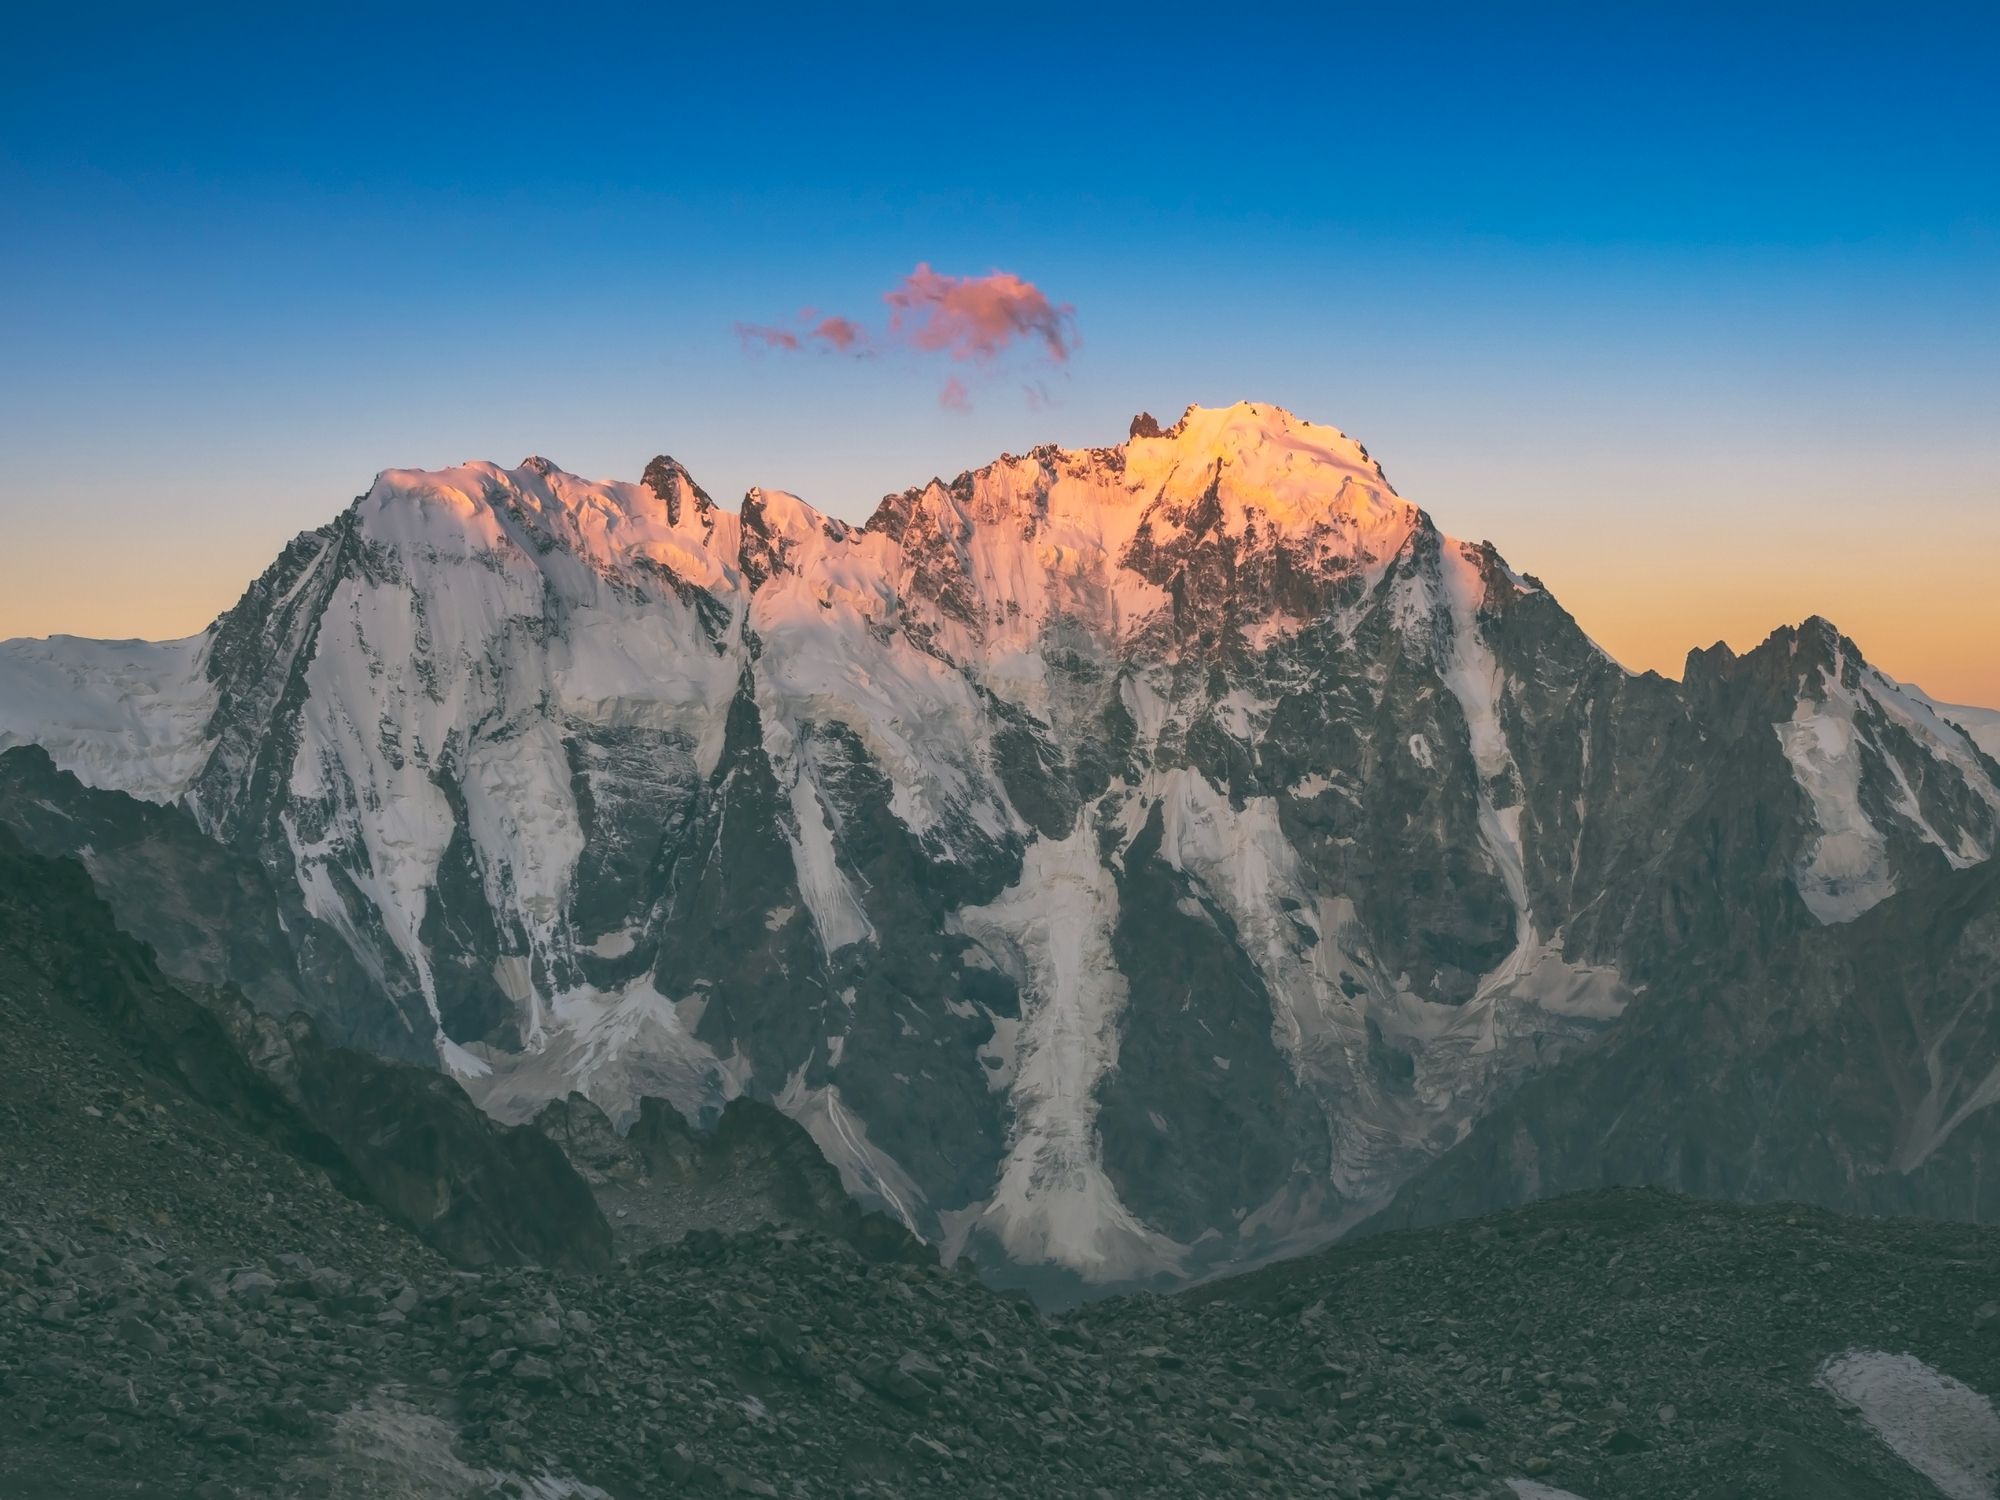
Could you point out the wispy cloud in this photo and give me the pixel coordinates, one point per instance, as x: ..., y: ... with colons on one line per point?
x: 968, y: 319
x: 840, y: 335
x: 758, y: 336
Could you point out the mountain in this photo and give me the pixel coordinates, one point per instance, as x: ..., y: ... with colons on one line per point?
x: 1124, y: 861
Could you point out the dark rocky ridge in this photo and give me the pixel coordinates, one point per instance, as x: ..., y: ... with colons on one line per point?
x: 212, y: 916
x: 402, y: 1139
x: 481, y: 1192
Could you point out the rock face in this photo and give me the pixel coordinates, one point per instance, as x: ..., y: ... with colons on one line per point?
x: 1852, y: 1067
x: 212, y: 915
x: 483, y: 1193
x: 1124, y: 861
x: 663, y: 1179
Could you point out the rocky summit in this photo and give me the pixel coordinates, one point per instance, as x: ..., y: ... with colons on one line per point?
x: 1124, y: 863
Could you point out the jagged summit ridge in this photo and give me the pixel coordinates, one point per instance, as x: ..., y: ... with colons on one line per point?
x: 1257, y: 459
x: 1099, y: 534
x: 1130, y: 858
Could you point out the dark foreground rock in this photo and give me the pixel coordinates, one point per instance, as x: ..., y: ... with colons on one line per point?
x: 1615, y: 1344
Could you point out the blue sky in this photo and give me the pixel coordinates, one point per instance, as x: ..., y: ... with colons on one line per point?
x: 1696, y: 312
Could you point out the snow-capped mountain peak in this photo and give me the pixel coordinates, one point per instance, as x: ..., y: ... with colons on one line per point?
x: 538, y: 508
x: 668, y: 478
x: 1296, y: 468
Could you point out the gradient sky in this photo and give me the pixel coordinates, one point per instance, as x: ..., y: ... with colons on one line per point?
x: 1695, y: 313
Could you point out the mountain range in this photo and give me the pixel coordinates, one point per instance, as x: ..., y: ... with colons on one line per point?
x: 1126, y: 862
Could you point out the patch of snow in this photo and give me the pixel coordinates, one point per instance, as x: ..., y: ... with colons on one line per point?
x: 612, y: 1046
x: 1941, y: 1427
x: 1847, y: 870
x: 1271, y: 469
x: 1241, y: 713
x: 1981, y: 725
x: 1929, y: 1125
x: 1241, y: 858
x: 1530, y: 1489
x: 460, y: 1063
x: 1832, y: 748
x: 836, y: 909
x: 1967, y: 852
x: 999, y: 1054
x: 1474, y: 677
x: 1148, y: 707
x: 130, y: 716
x: 1946, y: 740
x: 1536, y: 985
x: 615, y: 944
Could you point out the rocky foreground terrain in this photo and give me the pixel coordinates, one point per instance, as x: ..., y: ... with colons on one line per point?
x: 1618, y: 1344
x: 209, y: 1288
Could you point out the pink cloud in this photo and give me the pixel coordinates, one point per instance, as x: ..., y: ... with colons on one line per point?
x: 968, y: 319
x: 975, y: 317
x: 755, y: 336
x: 842, y: 334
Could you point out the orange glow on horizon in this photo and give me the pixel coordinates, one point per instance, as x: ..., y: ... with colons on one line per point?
x: 1924, y: 615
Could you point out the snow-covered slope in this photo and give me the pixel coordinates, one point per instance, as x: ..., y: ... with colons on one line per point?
x: 1981, y: 725
x: 1129, y: 858
x: 132, y: 716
